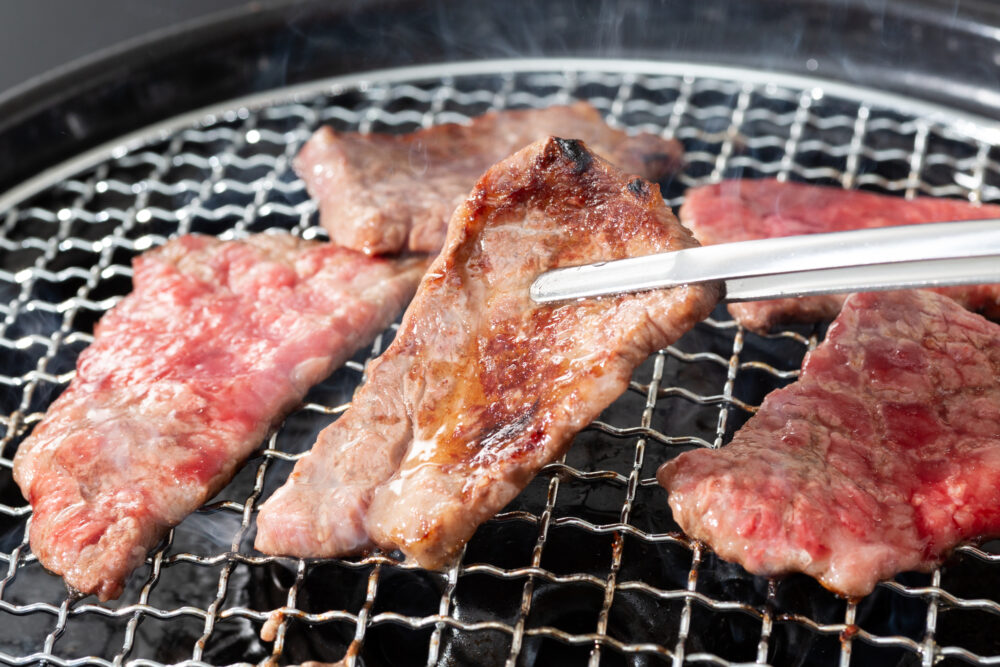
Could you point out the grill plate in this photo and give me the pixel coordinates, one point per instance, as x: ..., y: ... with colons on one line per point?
x: 586, y: 566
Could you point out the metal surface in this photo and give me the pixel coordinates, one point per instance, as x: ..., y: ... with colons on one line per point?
x: 871, y: 278
x: 586, y: 566
x: 937, y: 50
x: 903, y: 257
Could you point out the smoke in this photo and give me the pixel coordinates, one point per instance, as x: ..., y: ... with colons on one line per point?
x: 206, y: 533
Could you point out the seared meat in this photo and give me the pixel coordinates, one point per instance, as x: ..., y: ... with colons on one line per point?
x: 882, y: 457
x: 482, y: 387
x: 217, y: 341
x: 742, y: 210
x: 381, y: 193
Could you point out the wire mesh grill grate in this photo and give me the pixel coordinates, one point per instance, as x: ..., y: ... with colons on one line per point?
x: 586, y: 566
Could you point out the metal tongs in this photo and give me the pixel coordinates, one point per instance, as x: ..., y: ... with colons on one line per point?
x: 908, y: 256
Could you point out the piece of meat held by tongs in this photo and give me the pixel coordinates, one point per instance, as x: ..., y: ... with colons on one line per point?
x: 481, y: 386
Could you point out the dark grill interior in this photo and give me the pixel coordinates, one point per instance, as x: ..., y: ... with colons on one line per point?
x: 586, y: 566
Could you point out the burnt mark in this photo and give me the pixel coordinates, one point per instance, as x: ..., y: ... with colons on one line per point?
x: 577, y: 152
x: 639, y: 188
x: 501, y: 433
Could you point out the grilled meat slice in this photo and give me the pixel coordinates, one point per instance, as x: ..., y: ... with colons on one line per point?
x: 882, y: 457
x: 382, y: 193
x: 742, y: 210
x: 482, y: 387
x: 217, y: 341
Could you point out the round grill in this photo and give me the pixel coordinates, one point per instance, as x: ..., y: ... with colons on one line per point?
x: 586, y: 566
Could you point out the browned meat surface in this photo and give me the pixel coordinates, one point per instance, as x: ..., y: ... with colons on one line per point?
x: 215, y: 343
x: 742, y: 210
x: 382, y: 193
x: 482, y: 387
x: 881, y: 458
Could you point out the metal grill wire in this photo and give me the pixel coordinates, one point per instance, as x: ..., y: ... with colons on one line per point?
x: 586, y: 566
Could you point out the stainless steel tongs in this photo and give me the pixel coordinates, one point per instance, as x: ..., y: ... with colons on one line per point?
x: 907, y: 256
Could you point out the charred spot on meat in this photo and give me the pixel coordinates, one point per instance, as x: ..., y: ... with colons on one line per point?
x: 575, y: 151
x: 638, y: 187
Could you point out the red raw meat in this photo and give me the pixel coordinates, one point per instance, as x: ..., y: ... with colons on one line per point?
x: 881, y: 458
x: 743, y: 210
x: 217, y: 341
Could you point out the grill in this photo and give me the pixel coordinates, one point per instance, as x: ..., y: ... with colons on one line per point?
x: 586, y: 566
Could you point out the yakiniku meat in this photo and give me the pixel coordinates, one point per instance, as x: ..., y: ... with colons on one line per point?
x: 481, y: 386
x: 217, y: 341
x: 742, y: 210
x: 882, y: 457
x: 381, y: 193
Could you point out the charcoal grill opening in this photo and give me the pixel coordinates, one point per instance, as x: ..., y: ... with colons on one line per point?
x: 586, y: 565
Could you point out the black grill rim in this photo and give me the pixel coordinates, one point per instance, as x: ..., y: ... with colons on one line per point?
x: 927, y: 49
